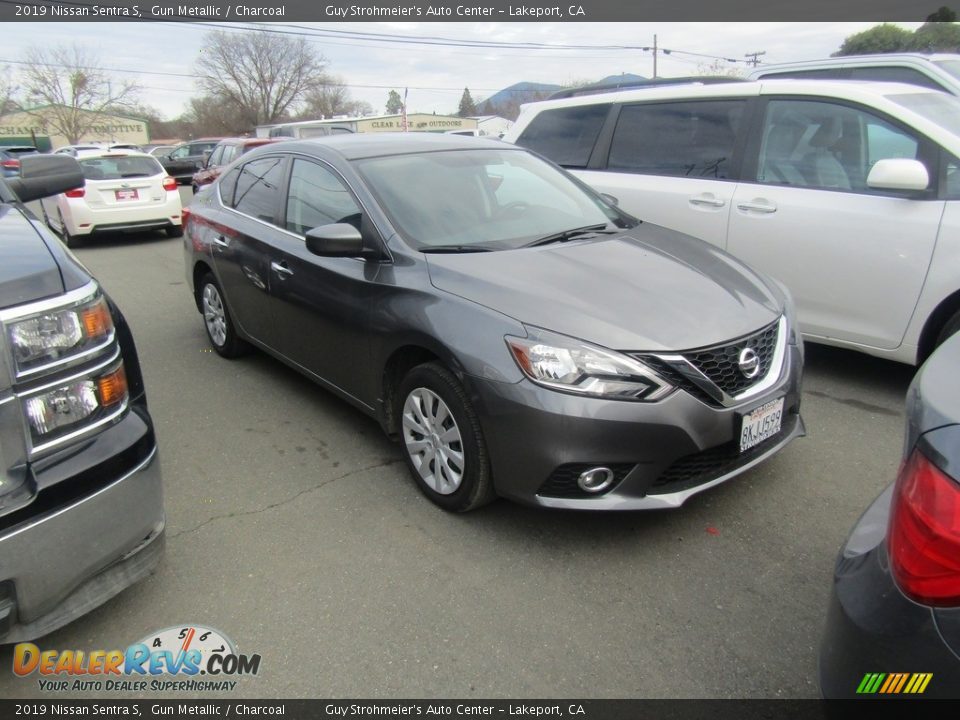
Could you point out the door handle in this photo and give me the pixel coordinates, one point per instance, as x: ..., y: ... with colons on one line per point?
x: 707, y: 200
x: 281, y: 269
x: 221, y: 241
x: 758, y: 206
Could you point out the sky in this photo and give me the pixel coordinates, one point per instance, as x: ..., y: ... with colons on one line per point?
x: 155, y: 54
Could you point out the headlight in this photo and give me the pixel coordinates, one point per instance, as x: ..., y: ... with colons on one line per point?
x: 59, y: 336
x: 75, y: 406
x: 571, y: 365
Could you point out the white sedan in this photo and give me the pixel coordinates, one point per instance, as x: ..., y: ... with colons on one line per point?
x: 124, y: 191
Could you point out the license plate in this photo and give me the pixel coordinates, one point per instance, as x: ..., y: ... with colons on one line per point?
x: 127, y: 194
x: 762, y: 423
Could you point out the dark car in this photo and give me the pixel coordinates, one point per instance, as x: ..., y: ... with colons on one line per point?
x: 81, y: 506
x: 10, y: 158
x: 894, y: 621
x: 226, y: 151
x: 520, y: 335
x: 184, y: 160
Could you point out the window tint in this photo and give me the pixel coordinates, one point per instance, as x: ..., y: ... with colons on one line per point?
x: 565, y: 135
x: 180, y: 152
x: 684, y: 139
x: 895, y: 74
x: 115, y: 168
x: 258, y: 188
x: 953, y: 178
x: 318, y: 197
x: 826, y: 146
x: 228, y: 184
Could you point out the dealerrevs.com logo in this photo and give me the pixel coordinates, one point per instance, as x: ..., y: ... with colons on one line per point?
x: 188, y: 658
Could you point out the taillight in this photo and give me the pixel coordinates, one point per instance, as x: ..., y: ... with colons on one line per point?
x: 169, y: 183
x: 76, y: 193
x: 10, y: 164
x: 924, y: 536
x: 184, y: 216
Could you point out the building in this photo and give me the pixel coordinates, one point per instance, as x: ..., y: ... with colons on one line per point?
x: 35, y: 127
x: 416, y: 122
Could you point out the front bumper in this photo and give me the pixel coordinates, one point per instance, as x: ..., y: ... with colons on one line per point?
x: 664, y: 452
x: 71, y: 558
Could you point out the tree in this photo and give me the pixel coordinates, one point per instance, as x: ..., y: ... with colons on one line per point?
x: 211, y: 116
x: 260, y: 76
x: 330, y: 99
x: 394, y: 103
x: 467, y: 107
x: 883, y: 38
x: 8, y: 92
x: 944, y: 15
x: 71, y: 89
x: 936, y: 37
x: 719, y: 68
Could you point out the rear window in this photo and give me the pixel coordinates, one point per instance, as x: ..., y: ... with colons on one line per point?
x: 15, y: 151
x: 565, y: 135
x: 114, y: 168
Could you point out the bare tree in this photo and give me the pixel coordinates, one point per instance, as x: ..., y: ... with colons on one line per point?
x: 332, y: 98
x: 8, y: 92
x: 71, y: 89
x: 719, y: 68
x: 263, y: 77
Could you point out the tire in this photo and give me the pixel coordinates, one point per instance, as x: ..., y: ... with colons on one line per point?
x: 174, y: 231
x: 71, y: 241
x: 441, y: 440
x: 950, y: 327
x: 217, y: 320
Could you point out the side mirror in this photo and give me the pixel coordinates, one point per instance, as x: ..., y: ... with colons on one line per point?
x: 610, y: 199
x: 335, y: 240
x: 898, y: 174
x: 45, y: 175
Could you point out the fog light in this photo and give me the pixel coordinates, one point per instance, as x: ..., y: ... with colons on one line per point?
x: 595, y: 480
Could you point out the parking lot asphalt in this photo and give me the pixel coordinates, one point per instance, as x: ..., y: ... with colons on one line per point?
x: 293, y: 527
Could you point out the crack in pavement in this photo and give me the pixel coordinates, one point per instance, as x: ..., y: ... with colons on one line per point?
x: 242, y: 513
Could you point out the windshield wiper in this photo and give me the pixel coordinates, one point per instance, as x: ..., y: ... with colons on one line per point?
x: 574, y: 234
x: 455, y: 249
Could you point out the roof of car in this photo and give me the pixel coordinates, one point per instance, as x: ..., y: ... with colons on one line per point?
x: 362, y: 145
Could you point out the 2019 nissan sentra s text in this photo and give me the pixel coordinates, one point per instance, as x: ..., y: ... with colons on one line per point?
x: 518, y: 334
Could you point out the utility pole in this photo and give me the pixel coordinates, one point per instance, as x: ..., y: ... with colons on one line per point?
x: 753, y: 60
x: 654, y: 56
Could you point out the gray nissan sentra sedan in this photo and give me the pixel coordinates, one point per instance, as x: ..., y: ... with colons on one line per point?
x: 517, y: 333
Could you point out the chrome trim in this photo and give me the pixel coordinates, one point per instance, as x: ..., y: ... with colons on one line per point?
x: 682, y: 365
x: 60, y: 302
x: 36, y: 450
x: 68, y: 360
x: 86, y: 372
x: 44, y: 518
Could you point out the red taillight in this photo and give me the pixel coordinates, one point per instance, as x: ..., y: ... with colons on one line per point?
x: 169, y: 183
x: 76, y: 193
x: 12, y: 164
x: 924, y: 536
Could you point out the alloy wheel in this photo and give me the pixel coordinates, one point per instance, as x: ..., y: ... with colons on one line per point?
x: 433, y: 441
x: 214, y: 315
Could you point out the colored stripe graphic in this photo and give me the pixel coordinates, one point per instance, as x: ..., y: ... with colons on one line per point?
x: 894, y: 683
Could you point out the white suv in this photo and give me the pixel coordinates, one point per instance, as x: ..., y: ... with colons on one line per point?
x: 848, y: 192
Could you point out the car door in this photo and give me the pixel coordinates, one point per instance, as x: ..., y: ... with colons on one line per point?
x: 321, y: 304
x: 243, y: 245
x: 675, y: 163
x: 854, y: 257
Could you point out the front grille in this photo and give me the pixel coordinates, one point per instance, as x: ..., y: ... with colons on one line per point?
x: 707, y: 465
x: 720, y: 364
x: 563, y: 482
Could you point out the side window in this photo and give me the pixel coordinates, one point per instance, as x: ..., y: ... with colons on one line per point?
x: 228, y: 183
x: 681, y: 139
x: 826, y: 146
x: 258, y: 188
x: 952, y: 171
x: 565, y: 135
x: 895, y: 74
x: 216, y: 157
x: 317, y: 197
x: 179, y: 153
x: 229, y: 154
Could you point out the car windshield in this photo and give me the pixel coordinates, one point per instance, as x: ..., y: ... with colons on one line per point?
x: 937, y: 107
x: 951, y: 66
x: 115, y: 168
x: 481, y: 199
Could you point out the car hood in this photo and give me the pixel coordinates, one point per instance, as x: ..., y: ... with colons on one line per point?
x: 28, y: 270
x: 647, y: 288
